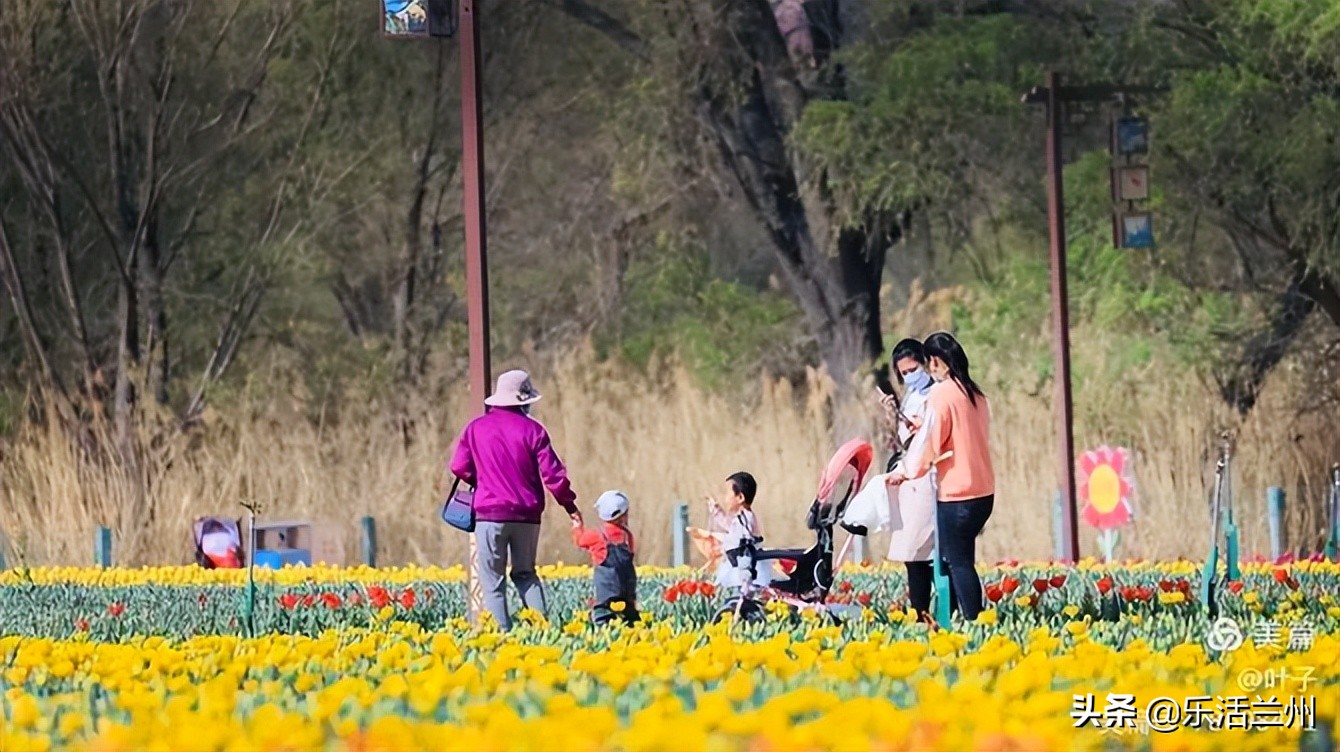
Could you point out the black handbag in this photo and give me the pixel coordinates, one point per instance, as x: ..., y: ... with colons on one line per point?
x: 893, y: 460
x: 459, y: 508
x: 899, y: 451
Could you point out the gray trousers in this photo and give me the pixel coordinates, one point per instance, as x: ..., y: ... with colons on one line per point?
x: 496, y: 542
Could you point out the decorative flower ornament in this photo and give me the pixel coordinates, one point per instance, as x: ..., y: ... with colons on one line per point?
x: 1106, y: 487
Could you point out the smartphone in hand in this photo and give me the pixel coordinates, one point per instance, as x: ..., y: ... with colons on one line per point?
x: 886, y: 399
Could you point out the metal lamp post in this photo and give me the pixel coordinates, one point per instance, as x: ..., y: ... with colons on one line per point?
x: 476, y: 246
x: 1055, y: 96
x: 419, y: 19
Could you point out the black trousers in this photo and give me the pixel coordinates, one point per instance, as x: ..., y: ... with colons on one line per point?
x: 920, y: 583
x: 960, y: 523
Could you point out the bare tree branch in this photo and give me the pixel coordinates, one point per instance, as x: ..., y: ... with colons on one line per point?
x: 23, y: 311
x: 612, y: 28
x: 246, y: 302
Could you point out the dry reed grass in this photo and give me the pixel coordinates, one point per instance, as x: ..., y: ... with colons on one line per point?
x: 661, y: 439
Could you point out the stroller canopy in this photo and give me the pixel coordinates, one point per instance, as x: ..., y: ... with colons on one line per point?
x: 850, y: 463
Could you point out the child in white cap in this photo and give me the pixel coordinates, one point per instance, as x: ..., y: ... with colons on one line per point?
x: 611, y: 548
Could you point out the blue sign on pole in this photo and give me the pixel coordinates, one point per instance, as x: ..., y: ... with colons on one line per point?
x: 1137, y: 231
x: 1131, y: 136
x: 418, y: 19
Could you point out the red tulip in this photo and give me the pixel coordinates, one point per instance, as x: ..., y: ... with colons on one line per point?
x: 116, y: 609
x: 1040, y: 585
x: 1009, y: 585
x: 309, y: 600
x: 707, y: 589
x: 690, y: 587
x: 288, y: 601
x: 1057, y: 580
x: 378, y: 597
x: 844, y: 586
x: 1281, y: 575
x: 407, y: 598
x: 1184, y: 586
x: 355, y: 599
x: 1235, y: 587
x: 1105, y: 585
x: 994, y: 593
x: 81, y: 624
x: 1131, y: 593
x: 1165, y: 586
x: 863, y: 599
x: 331, y: 600
x: 671, y: 594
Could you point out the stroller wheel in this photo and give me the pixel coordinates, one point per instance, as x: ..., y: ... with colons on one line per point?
x: 750, y: 611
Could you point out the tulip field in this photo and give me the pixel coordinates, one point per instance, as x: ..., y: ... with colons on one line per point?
x: 181, y: 658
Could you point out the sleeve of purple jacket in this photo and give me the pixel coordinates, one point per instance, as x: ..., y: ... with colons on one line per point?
x: 463, y: 462
x: 555, y: 474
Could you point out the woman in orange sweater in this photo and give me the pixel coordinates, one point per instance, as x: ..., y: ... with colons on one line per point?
x: 957, y: 424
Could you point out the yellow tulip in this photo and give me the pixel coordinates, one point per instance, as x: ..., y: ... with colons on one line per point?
x: 550, y: 686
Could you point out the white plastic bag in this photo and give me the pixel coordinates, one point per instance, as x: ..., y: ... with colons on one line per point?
x: 869, y: 507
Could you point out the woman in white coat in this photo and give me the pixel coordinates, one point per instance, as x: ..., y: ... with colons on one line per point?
x: 912, y: 508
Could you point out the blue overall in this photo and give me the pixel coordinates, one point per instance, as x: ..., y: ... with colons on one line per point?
x: 615, y: 581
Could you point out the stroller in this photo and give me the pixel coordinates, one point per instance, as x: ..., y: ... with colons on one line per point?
x: 218, y: 543
x: 810, y: 570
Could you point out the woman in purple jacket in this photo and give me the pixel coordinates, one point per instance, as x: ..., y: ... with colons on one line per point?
x: 506, y: 455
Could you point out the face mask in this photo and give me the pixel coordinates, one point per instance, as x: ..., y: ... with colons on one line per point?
x: 917, y: 380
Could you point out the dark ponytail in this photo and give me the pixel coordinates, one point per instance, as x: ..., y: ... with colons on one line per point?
x: 942, y: 345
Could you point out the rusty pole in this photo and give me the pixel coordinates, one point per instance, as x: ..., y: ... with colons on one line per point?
x: 476, y: 234
x: 1065, y: 450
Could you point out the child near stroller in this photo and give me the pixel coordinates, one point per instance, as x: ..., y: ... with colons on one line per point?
x: 732, y: 521
x: 811, y: 569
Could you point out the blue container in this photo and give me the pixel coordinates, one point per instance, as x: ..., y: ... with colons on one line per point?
x: 283, y: 557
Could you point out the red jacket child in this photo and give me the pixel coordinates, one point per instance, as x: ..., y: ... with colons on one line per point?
x: 611, y: 548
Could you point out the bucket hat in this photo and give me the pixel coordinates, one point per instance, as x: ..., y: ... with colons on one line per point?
x: 513, y: 389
